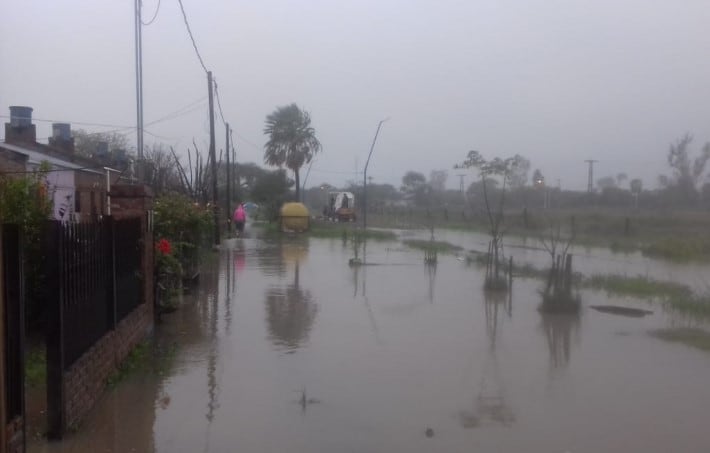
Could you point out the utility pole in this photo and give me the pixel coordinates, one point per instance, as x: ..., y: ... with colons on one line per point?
x: 229, y: 183
x: 590, y: 181
x: 139, y: 87
x: 461, y: 184
x: 364, y: 177
x: 213, y: 156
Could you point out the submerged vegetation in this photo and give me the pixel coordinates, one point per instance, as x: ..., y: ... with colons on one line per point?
x: 697, y: 338
x: 427, y: 245
x: 146, y: 357
x: 639, y: 286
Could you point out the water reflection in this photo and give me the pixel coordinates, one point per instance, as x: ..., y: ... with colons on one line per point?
x: 558, y: 330
x: 360, y: 284
x: 431, y: 273
x: 290, y: 313
x: 490, y: 404
x: 496, y: 304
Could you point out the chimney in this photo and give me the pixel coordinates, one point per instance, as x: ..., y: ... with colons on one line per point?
x: 61, y: 138
x: 20, y: 128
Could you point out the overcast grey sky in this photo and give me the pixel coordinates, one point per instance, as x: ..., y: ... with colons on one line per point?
x: 555, y: 81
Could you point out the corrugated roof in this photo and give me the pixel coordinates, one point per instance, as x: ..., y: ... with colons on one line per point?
x: 36, y: 158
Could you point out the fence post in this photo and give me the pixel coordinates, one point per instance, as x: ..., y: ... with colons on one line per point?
x: 53, y: 270
x: 109, y: 228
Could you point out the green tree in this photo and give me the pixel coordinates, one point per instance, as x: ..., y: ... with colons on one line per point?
x: 519, y: 174
x: 25, y: 201
x: 687, y: 171
x: 270, y: 190
x: 292, y: 140
x: 414, y: 187
x: 636, y: 186
x: 437, y: 180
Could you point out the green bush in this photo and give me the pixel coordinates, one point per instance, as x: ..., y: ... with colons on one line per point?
x: 185, y: 224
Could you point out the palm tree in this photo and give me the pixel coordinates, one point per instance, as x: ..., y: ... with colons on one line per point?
x: 292, y: 140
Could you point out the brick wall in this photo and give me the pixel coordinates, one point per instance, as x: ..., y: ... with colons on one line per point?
x: 11, y: 160
x: 85, y: 381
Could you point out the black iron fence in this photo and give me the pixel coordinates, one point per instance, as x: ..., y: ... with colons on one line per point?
x: 13, y: 341
x: 94, y: 281
x: 128, y: 240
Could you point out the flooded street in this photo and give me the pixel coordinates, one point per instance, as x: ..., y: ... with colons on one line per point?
x: 284, y: 347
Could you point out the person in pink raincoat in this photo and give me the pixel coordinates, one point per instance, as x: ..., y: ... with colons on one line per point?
x: 240, y: 217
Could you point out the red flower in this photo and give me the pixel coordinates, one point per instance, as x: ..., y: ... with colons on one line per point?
x: 164, y: 246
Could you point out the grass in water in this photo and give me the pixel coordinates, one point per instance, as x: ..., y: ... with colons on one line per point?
x: 321, y: 231
x: 697, y: 338
x: 639, y: 286
x: 679, y: 249
x: 145, y: 357
x: 427, y: 245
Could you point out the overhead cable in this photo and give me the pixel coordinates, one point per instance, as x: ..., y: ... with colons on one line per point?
x: 192, y: 38
x: 155, y: 16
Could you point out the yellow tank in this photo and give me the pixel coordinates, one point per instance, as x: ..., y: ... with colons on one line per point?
x: 294, y: 217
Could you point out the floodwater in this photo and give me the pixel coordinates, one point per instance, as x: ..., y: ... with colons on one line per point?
x: 588, y: 260
x: 284, y: 347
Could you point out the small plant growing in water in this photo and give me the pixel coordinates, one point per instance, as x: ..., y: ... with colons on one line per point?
x: 357, y: 240
x: 558, y: 295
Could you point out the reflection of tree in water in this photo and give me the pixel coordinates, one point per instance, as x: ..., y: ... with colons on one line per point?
x: 558, y: 330
x: 490, y: 404
x: 290, y: 313
x: 431, y: 272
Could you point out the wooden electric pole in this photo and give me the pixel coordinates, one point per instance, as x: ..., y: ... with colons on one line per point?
x: 213, y: 156
x: 229, y: 182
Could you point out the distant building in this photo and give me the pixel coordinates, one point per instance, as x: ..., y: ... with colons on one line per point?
x: 77, y: 185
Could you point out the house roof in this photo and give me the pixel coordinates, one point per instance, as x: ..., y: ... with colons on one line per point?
x: 37, y: 157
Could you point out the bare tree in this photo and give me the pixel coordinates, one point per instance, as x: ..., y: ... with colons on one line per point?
x: 488, y: 171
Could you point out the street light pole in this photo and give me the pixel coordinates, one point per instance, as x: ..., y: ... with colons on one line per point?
x: 364, y: 177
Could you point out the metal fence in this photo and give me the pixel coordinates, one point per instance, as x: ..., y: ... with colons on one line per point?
x: 128, y: 242
x: 14, y: 338
x: 95, y: 280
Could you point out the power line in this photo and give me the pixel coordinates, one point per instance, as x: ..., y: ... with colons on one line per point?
x: 337, y: 172
x: 189, y: 108
x: 155, y: 16
x: 192, y: 38
x: 241, y: 137
x: 72, y: 122
x: 23, y: 172
x: 219, y: 103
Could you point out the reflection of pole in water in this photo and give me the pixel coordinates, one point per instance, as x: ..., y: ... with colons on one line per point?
x: 491, y: 309
x: 368, y: 307
x: 490, y: 404
x: 228, y: 293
